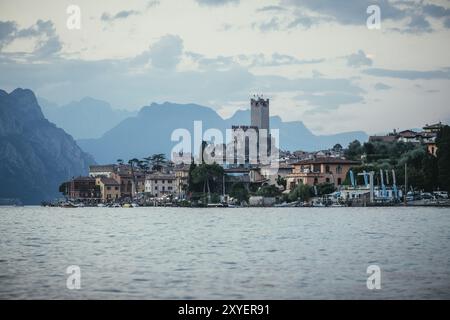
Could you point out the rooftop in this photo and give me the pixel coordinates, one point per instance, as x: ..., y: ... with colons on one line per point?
x: 108, y: 181
x: 326, y: 160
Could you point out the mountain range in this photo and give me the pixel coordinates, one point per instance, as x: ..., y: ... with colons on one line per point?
x: 84, y: 119
x: 35, y: 155
x: 150, y: 132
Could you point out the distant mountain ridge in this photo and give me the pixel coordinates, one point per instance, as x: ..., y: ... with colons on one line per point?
x: 86, y: 118
x: 35, y: 155
x: 150, y: 132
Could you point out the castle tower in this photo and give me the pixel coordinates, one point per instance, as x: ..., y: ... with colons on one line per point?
x: 260, y: 113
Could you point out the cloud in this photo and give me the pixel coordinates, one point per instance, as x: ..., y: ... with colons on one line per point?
x: 329, y: 101
x: 409, y: 74
x: 166, y: 53
x: 217, y: 3
x: 43, y: 32
x: 152, y: 4
x: 349, y: 12
x: 304, y: 21
x: 358, y: 59
x: 119, y: 15
x: 253, y: 60
x: 116, y: 81
x: 7, y: 31
x: 417, y: 24
x: 436, y: 11
x: 412, y: 16
x: 271, y: 9
x: 265, y: 26
x: 381, y: 86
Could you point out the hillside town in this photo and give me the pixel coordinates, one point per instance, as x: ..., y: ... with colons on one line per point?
x: 358, y: 175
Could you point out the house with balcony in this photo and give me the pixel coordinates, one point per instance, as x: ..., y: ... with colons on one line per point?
x: 319, y: 170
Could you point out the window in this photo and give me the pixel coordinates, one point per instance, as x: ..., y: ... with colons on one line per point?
x: 156, y: 187
x: 316, y: 181
x: 339, y: 181
x: 327, y: 169
x: 156, y: 181
x: 169, y: 188
x: 108, y: 188
x: 116, y: 188
x: 327, y: 180
x: 338, y: 169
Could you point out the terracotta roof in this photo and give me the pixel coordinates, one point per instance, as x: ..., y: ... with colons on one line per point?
x: 326, y: 160
x: 109, y: 181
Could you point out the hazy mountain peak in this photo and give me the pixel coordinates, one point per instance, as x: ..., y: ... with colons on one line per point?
x: 35, y: 155
x: 24, y: 102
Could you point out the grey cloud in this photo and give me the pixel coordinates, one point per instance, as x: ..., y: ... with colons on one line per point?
x: 409, y: 74
x: 166, y: 53
x: 304, y: 21
x: 119, y: 15
x: 447, y: 23
x: 48, y: 42
x: 152, y: 4
x: 255, y: 60
x: 7, y: 30
x: 351, y: 12
x: 436, y: 11
x: 271, y: 9
x: 115, y: 81
x: 418, y: 24
x: 272, y: 25
x: 329, y: 101
x: 381, y: 86
x: 216, y: 3
x: 358, y: 59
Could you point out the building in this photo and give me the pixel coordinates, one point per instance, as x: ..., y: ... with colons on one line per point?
x: 81, y: 188
x: 109, y: 189
x: 102, y: 170
x: 387, y: 138
x: 271, y: 174
x: 247, y: 139
x: 433, y: 128
x: 182, y: 179
x: 126, y: 183
x: 260, y: 113
x: 161, y: 184
x: 319, y: 170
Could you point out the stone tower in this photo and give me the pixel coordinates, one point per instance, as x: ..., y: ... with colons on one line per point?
x: 260, y: 113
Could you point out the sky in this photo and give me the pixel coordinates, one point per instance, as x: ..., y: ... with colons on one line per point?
x: 317, y: 60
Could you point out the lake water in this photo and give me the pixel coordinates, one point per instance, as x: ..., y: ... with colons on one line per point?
x: 256, y: 253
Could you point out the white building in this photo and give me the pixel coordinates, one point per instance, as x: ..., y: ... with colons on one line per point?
x: 161, y: 184
x: 102, y: 170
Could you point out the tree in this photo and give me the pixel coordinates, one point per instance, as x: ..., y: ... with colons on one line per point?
x: 301, y: 192
x: 337, y: 147
x: 133, y: 162
x: 354, y: 150
x: 443, y: 157
x: 156, y: 161
x: 325, y: 188
x: 268, y: 191
x: 209, y: 176
x: 239, y: 192
x: 282, y: 182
